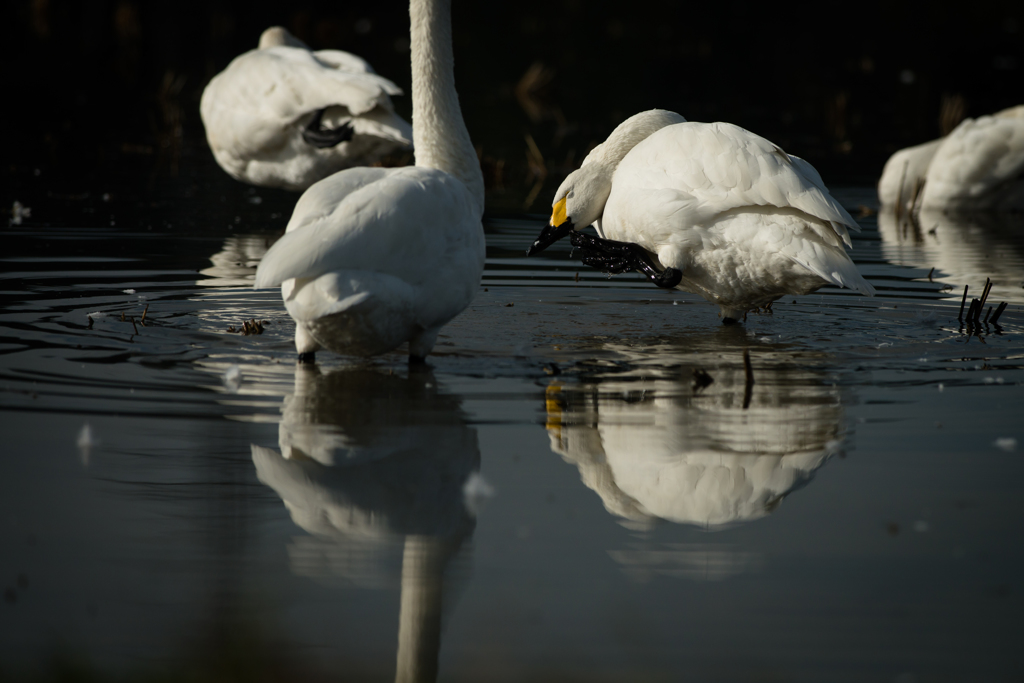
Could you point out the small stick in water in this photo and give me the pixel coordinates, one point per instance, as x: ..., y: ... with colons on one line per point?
x: 998, y: 311
x: 748, y: 390
x: 962, y: 302
x: 987, y: 314
x: 144, y: 312
x: 984, y: 294
x: 930, y: 273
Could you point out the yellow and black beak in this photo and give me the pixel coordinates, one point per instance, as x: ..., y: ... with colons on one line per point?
x: 556, y: 229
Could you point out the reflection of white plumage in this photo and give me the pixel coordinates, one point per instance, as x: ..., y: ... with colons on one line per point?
x: 368, y: 459
x: 696, y: 459
x: 375, y: 257
x: 978, y: 166
x: 962, y: 248
x: 257, y: 110
x: 744, y: 222
x: 235, y: 264
x: 365, y: 454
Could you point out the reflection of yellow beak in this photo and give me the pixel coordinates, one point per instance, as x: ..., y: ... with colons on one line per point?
x: 558, y: 213
x: 553, y: 404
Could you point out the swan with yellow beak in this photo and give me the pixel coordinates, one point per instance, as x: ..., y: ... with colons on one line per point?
x: 708, y: 208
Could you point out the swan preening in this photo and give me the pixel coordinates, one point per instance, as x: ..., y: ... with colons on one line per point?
x: 285, y: 116
x: 373, y: 257
x: 708, y: 208
x: 979, y: 166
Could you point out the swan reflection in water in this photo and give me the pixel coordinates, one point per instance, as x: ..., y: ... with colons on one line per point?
x: 663, y: 449
x: 368, y: 460
x: 235, y: 264
x: 963, y: 248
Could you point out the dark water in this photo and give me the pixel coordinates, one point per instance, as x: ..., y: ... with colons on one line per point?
x: 554, y: 499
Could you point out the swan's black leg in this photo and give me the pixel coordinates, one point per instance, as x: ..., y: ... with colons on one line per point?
x: 613, y: 257
x: 307, y: 358
x: 316, y: 135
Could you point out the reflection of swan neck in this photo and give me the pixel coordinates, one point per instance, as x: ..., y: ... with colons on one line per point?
x: 440, y: 137
x: 419, y: 620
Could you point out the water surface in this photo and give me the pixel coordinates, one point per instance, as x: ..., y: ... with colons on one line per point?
x: 557, y: 497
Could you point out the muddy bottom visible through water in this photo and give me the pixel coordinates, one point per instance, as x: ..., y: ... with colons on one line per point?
x: 584, y: 484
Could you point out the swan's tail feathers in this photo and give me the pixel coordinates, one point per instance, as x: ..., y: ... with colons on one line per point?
x: 832, y: 265
x: 356, y: 312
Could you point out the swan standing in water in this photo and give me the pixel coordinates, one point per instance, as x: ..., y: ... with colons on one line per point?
x: 708, y: 208
x: 978, y: 166
x: 285, y: 116
x: 373, y: 257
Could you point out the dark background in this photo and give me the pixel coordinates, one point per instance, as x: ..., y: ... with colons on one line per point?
x: 105, y: 93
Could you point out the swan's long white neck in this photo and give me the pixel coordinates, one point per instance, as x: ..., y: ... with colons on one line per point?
x: 628, y: 135
x: 439, y: 134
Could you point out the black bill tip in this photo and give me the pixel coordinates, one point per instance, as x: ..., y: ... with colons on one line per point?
x: 548, y: 236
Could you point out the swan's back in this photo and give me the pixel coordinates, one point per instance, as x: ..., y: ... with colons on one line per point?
x: 980, y: 165
x: 691, y: 174
x: 414, y: 226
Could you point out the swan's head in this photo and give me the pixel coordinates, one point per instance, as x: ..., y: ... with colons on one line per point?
x: 276, y: 36
x: 579, y: 202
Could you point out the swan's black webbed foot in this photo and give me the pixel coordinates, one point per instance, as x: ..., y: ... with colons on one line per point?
x: 613, y: 257
x: 316, y: 135
x: 668, y: 278
x: 730, y: 321
x: 307, y: 358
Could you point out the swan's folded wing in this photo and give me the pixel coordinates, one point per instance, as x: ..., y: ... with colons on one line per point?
x: 979, y: 156
x: 717, y: 167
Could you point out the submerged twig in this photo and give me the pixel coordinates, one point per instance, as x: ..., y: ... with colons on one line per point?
x: 748, y: 390
x: 962, y: 302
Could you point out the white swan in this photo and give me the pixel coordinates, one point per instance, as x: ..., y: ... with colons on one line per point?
x: 714, y: 209
x: 978, y: 166
x: 375, y: 257
x: 285, y: 116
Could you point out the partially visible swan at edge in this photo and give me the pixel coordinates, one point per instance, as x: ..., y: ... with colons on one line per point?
x: 708, y: 208
x: 978, y: 166
x: 285, y: 116
x: 375, y: 257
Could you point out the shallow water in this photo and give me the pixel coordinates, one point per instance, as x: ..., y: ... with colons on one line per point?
x: 555, y: 498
